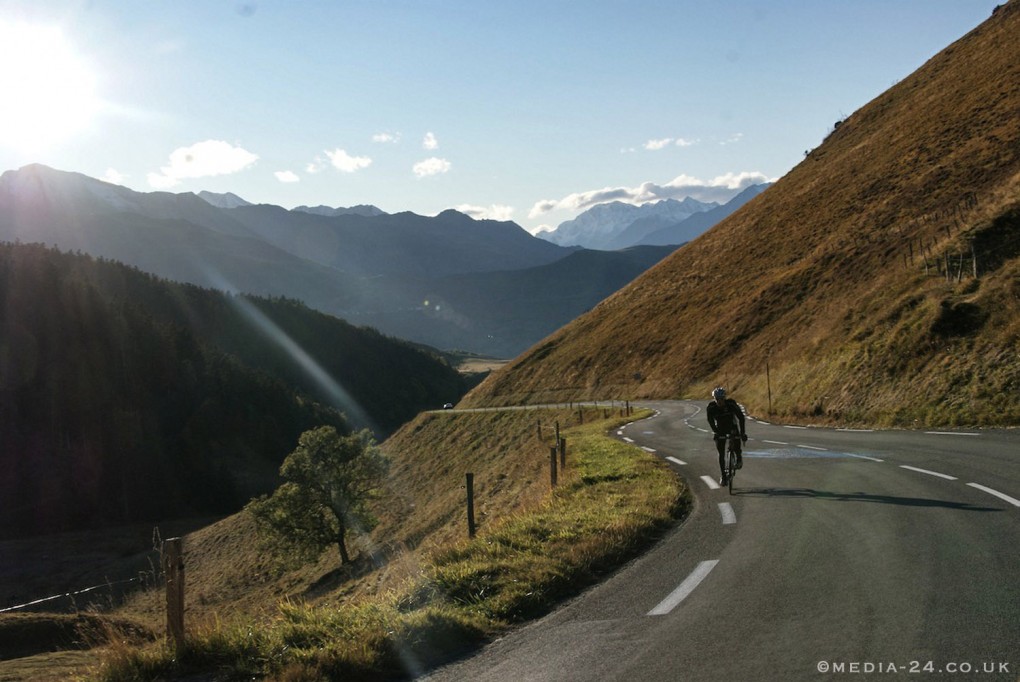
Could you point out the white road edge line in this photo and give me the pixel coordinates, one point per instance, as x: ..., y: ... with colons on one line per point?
x: 951, y: 433
x: 873, y: 459
x: 787, y: 426
x: 1013, y: 501
x: 647, y: 449
x: 677, y: 461
x: 812, y: 447
x: 775, y: 442
x: 857, y: 430
x: 710, y: 482
x: 728, y: 515
x: 629, y: 440
x: 685, y: 588
x: 930, y: 473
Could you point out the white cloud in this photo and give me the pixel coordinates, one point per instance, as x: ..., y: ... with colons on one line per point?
x: 113, y: 176
x: 430, y: 141
x: 721, y: 188
x: 492, y: 212
x: 386, y: 137
x: 431, y: 166
x: 346, y: 163
x: 655, y: 145
x: 732, y: 139
x: 287, y: 176
x: 201, y: 160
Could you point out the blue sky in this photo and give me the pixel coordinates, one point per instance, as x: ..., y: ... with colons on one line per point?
x: 528, y: 110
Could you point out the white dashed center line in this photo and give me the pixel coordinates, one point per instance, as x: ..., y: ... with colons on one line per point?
x: 930, y: 473
x: 1013, y: 501
x: 728, y: 515
x: 710, y: 482
x: 699, y: 573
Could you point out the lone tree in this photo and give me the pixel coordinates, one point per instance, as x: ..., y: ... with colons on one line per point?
x: 329, y: 481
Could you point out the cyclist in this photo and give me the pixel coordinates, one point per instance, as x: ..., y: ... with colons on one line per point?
x: 724, y: 414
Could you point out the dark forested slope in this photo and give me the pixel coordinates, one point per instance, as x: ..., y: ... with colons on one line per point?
x: 126, y: 398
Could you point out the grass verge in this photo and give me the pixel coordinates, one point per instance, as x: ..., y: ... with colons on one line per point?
x: 613, y: 500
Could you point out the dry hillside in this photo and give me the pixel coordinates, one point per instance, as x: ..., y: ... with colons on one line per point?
x: 835, y: 277
x: 421, y: 509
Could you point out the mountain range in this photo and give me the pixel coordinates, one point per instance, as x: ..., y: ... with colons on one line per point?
x: 883, y: 286
x: 618, y: 225
x: 394, y: 272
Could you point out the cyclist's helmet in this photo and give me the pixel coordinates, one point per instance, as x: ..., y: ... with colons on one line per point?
x: 719, y: 393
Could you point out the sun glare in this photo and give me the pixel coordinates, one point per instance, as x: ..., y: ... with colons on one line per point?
x: 47, y: 93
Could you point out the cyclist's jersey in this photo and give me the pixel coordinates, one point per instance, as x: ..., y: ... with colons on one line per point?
x: 723, y: 418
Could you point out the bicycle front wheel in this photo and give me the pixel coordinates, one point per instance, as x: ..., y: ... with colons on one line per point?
x: 731, y: 467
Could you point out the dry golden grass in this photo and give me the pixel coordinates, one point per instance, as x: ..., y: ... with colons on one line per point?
x: 422, y: 508
x: 421, y: 586
x: 233, y: 585
x: 823, y: 275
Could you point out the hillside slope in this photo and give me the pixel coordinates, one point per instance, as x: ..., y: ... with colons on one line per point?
x: 126, y: 398
x: 830, y: 288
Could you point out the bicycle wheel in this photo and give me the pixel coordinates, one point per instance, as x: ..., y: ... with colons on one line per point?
x: 731, y: 465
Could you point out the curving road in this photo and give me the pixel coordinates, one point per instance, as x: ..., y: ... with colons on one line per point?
x: 842, y: 554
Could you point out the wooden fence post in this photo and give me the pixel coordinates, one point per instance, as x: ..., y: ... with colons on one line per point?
x: 173, y: 569
x: 552, y: 466
x: 563, y: 453
x: 471, y: 505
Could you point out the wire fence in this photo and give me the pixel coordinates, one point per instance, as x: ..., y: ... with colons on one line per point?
x: 110, y: 584
x: 145, y: 578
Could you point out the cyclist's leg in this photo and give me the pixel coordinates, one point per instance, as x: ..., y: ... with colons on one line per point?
x: 739, y: 452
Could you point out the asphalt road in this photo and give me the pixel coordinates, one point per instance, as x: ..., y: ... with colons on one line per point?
x: 841, y: 554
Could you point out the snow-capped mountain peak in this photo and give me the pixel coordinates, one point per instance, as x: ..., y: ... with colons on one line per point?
x: 600, y: 225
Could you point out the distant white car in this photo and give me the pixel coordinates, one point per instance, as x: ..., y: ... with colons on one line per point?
x: 447, y: 406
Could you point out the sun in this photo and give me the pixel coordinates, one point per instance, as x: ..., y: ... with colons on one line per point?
x: 47, y: 92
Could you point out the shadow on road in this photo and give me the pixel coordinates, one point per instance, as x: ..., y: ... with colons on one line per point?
x: 859, y: 497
